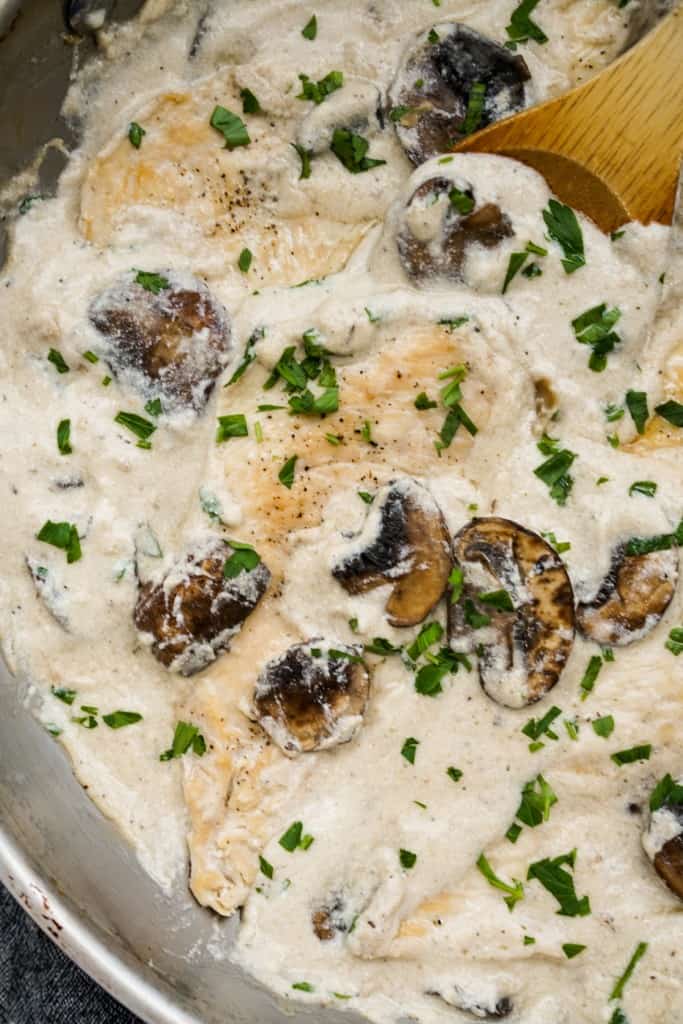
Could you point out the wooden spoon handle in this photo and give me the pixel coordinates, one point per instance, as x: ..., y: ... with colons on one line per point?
x: 625, y: 125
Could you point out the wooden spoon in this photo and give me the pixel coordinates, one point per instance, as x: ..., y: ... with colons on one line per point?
x: 612, y: 147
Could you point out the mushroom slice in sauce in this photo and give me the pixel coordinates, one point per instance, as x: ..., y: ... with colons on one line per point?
x: 166, y: 338
x: 523, y: 630
x: 404, y: 542
x: 631, y: 599
x: 191, y: 615
x: 312, y: 697
x: 663, y: 842
x: 452, y: 69
x: 440, y: 222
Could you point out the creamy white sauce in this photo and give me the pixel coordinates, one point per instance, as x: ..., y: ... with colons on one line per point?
x: 435, y: 942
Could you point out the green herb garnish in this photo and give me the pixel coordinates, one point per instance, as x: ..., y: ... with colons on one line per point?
x: 515, y: 891
x: 639, y: 753
x: 63, y: 536
x: 553, y: 877
x: 135, y: 134
x: 231, y: 127
x: 119, y: 719
x: 560, y: 220
x: 234, y: 425
x: 186, y: 736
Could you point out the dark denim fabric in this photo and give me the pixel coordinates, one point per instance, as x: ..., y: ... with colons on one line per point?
x: 40, y: 985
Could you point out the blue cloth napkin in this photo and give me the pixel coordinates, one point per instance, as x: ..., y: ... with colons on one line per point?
x: 40, y: 985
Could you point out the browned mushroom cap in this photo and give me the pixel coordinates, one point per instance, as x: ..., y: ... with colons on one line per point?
x: 167, y: 340
x: 405, y: 541
x: 196, y: 609
x: 312, y: 697
x: 663, y: 841
x: 435, y: 234
x: 523, y: 629
x: 631, y: 599
x: 449, y: 69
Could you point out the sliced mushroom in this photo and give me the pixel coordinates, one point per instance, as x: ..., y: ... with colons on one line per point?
x: 484, y: 1005
x: 663, y: 843
x: 631, y: 599
x: 168, y: 339
x: 312, y: 697
x: 450, y: 69
x: 192, y: 614
x: 357, y: 106
x: 440, y: 223
x: 523, y: 640
x: 404, y: 542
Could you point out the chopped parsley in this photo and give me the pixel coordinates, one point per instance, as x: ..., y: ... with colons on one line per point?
x: 646, y: 487
x: 590, y: 675
x: 594, y: 328
x: 135, y: 134
x: 154, y: 407
x: 185, y: 737
x: 636, y: 403
x: 231, y: 127
x: 138, y: 425
x: 672, y: 412
x: 303, y: 986
x: 62, y: 693
x: 151, y: 282
x: 57, y: 360
x: 639, y: 753
x: 451, y: 397
x: 366, y: 497
x: 456, y: 582
x: 91, y: 357
x: 667, y: 791
x: 119, y: 719
x: 234, y: 425
x: 561, y: 222
x: 244, y: 261
x: 618, y: 990
x: 660, y: 542
x: 454, y: 773
x: 351, y: 150
x: 535, y: 728
x: 250, y: 104
x: 409, y: 749
x: 429, y: 635
x: 423, y: 401
x: 316, y: 92
x: 538, y: 797
x: 475, y: 106
x: 554, y: 473
x: 64, y: 437
x: 63, y: 536
x: 603, y: 726
x: 674, y: 642
x: 559, y: 545
x: 286, y: 474
x: 383, y: 648
x: 305, y: 156
x: 407, y: 858
x: 463, y: 202
x: 552, y: 875
x: 243, y: 559
x: 474, y: 618
x: 515, y: 891
x: 521, y: 28
x: 517, y: 261
x: 295, y: 839
x: 572, y: 949
x: 498, y: 599
x: 310, y: 29
x: 266, y: 867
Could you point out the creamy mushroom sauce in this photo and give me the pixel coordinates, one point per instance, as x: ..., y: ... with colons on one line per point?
x: 385, y: 910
